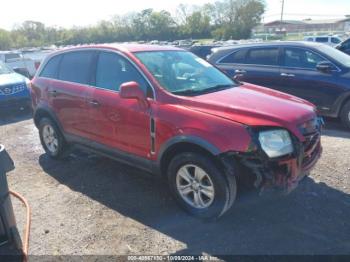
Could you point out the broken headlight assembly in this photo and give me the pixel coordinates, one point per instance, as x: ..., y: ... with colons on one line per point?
x: 276, y: 143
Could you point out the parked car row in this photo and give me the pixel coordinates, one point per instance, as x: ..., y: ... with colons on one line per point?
x: 315, y: 72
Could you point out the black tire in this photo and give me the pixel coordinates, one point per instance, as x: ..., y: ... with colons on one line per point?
x: 61, y: 143
x: 225, y: 187
x: 345, y: 115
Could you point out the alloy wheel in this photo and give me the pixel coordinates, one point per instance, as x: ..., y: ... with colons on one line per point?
x: 195, y: 186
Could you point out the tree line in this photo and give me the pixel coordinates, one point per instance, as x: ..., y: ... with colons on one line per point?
x: 224, y: 19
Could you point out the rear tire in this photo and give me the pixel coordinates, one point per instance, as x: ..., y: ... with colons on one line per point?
x: 345, y: 115
x: 199, y: 186
x: 51, y: 138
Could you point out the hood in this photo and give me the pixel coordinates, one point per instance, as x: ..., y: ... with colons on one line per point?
x: 12, y: 78
x: 255, y: 106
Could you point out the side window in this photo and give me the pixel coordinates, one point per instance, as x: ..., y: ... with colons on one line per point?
x: 237, y: 57
x: 263, y: 56
x: 322, y: 39
x: 301, y: 58
x: 335, y: 40
x: 112, y: 70
x: 51, y: 68
x: 75, y: 67
x: 310, y: 39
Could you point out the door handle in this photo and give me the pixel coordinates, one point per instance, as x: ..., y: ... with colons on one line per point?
x: 94, y: 103
x: 239, y: 71
x: 287, y: 75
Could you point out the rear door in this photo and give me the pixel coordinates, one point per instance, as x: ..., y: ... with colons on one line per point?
x: 302, y: 79
x: 69, y: 93
x: 119, y: 123
x: 258, y: 66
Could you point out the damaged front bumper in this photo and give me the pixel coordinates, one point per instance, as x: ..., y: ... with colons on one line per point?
x: 283, y: 173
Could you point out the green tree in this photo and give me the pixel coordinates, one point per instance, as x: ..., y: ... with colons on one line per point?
x: 5, y: 40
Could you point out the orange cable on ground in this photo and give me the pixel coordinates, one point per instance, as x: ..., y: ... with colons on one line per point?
x: 27, y: 228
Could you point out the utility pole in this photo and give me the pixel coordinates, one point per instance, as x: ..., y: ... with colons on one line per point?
x: 282, y: 11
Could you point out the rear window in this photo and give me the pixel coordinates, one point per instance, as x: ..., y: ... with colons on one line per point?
x: 322, y: 39
x: 75, y: 67
x: 235, y: 58
x: 263, y: 56
x: 51, y: 68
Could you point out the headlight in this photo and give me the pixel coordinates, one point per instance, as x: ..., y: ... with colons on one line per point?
x: 276, y: 143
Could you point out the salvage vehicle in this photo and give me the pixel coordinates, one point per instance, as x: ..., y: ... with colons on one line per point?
x: 14, y: 89
x: 314, y: 72
x: 20, y: 64
x: 171, y: 113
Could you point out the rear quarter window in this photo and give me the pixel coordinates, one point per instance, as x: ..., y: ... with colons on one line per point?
x: 76, y: 67
x: 335, y: 40
x: 51, y: 68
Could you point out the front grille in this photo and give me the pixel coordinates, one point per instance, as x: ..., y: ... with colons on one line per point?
x: 12, y: 89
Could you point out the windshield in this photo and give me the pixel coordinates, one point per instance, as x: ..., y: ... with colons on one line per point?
x: 4, y: 69
x: 183, y: 73
x: 337, y: 55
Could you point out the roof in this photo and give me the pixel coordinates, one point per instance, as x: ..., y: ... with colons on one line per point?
x: 274, y: 43
x: 126, y: 47
x: 308, y: 21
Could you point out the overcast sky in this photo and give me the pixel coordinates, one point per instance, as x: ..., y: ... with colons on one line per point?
x: 68, y: 13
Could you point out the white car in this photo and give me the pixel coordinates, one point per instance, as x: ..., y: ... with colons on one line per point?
x: 18, y: 63
x: 328, y: 40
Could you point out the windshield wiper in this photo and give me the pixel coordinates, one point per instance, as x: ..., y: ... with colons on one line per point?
x: 203, y: 91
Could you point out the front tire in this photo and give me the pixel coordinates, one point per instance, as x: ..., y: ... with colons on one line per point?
x: 200, y: 187
x: 345, y: 115
x: 51, y: 138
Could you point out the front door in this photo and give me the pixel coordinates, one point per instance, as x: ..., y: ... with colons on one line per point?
x: 123, y: 124
x: 301, y: 78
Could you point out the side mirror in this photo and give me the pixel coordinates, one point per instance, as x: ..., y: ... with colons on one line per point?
x: 325, y: 67
x: 132, y: 90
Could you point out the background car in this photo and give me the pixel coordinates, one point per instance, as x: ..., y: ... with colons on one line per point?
x: 14, y: 89
x: 344, y: 46
x: 20, y: 64
x: 315, y: 72
x: 327, y: 40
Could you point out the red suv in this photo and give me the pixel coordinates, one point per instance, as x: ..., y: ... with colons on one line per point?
x: 171, y: 113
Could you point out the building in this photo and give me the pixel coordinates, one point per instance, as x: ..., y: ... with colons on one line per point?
x: 308, y: 25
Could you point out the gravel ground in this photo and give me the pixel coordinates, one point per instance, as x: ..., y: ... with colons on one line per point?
x: 89, y: 205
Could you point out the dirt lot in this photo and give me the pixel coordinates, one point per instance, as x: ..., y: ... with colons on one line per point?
x: 92, y: 205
